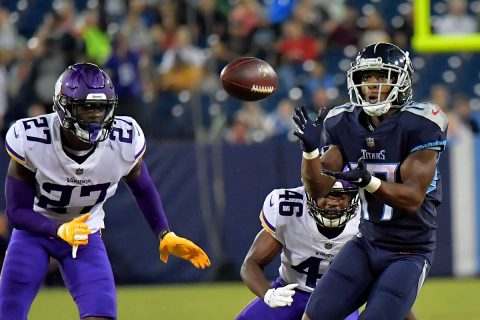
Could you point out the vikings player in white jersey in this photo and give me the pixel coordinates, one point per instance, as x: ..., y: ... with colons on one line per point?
x: 308, y: 237
x: 64, y: 166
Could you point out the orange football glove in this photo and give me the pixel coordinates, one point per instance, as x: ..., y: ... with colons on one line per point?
x: 76, y: 231
x: 183, y: 248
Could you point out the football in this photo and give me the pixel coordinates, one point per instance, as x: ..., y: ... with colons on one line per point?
x: 249, y: 79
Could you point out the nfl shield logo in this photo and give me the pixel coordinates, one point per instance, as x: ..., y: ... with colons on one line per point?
x: 328, y: 245
x: 79, y: 171
x: 370, y: 142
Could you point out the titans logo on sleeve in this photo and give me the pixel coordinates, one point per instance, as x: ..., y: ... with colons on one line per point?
x: 416, y: 127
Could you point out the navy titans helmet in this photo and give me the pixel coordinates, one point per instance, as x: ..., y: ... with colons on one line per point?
x: 329, y: 217
x: 396, y: 65
x: 80, y: 87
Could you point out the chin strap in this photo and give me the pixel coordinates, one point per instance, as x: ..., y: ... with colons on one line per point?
x: 380, y: 110
x: 94, y: 130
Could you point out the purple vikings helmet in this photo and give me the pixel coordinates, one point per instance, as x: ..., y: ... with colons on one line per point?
x: 85, y: 86
x: 335, y: 217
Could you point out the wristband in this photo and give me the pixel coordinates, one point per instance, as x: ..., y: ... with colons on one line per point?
x: 163, y: 234
x: 373, y: 185
x: 311, y: 155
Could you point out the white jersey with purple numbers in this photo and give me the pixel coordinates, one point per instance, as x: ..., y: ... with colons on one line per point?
x: 66, y: 189
x: 306, y: 253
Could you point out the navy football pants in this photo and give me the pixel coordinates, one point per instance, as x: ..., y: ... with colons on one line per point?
x: 387, y: 280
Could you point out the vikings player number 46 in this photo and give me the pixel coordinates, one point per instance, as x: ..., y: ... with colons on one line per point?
x: 287, y: 207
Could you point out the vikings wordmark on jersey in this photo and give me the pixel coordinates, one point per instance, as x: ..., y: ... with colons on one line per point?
x: 66, y: 188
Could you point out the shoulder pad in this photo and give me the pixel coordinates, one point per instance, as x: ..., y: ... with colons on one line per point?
x: 347, y: 107
x: 128, y: 136
x: 429, y: 111
x: 14, y: 143
x: 29, y: 134
x: 276, y: 213
x: 268, y: 215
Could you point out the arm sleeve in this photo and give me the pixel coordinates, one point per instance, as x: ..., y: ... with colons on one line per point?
x: 148, y: 200
x: 20, y: 196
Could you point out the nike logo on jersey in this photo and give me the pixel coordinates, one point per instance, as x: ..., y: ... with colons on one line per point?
x: 435, y: 112
x: 15, y: 133
x: 271, y: 202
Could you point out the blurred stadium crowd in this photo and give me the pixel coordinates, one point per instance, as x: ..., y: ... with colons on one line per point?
x: 165, y: 57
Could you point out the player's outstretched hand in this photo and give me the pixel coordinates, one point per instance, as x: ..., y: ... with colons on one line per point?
x: 76, y: 231
x: 183, y: 248
x: 308, y: 131
x: 359, y: 176
x: 280, y: 297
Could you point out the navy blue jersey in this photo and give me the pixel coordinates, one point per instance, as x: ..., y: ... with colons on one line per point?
x: 416, y: 127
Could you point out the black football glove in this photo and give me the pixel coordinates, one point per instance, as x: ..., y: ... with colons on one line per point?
x: 308, y: 131
x: 359, y: 176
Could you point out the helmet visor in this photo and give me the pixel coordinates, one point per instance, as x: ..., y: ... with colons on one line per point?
x: 85, y: 112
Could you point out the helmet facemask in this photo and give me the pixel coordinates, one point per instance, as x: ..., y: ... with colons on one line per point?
x: 329, y: 217
x: 85, y: 102
x: 398, y: 79
x: 70, y: 115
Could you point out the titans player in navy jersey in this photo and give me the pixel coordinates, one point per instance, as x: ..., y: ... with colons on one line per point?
x: 392, y: 145
x: 64, y: 166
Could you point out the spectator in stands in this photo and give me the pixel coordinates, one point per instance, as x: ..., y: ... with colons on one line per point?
x: 182, y: 65
x: 440, y: 95
x: 279, y: 122
x: 53, y: 55
x: 123, y: 66
x: 3, y: 95
x: 278, y: 12
x: 9, y: 38
x: 243, y: 20
x: 210, y: 20
x: 313, y: 16
x: 402, y: 33
x: 321, y: 99
x: 134, y: 28
x: 317, y: 78
x: 237, y: 133
x: 457, y: 20
x: 345, y: 31
x: 97, y: 42
x: 248, y: 125
x: 375, y: 29
x: 295, y: 47
x: 469, y: 118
